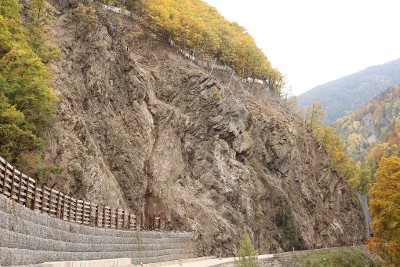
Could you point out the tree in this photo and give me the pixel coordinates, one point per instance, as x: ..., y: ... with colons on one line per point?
x: 333, y: 145
x: 197, y: 26
x: 26, y: 100
x: 314, y: 116
x: 246, y: 253
x: 289, y: 227
x: 385, y: 210
x: 38, y: 17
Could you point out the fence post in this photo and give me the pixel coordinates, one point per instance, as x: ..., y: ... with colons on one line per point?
x: 69, y: 208
x: 76, y: 209
x: 20, y: 188
x: 97, y: 215
x: 104, y: 216
x: 116, y: 218
x: 58, y: 204
x: 123, y: 219
x: 50, y: 203
x: 90, y: 214
x: 43, y: 189
x: 62, y: 207
x: 4, y: 178
x: 28, y: 182
x: 83, y: 212
x: 34, y: 196
x: 12, y: 183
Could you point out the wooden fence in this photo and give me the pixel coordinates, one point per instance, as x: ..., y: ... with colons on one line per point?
x: 28, y: 192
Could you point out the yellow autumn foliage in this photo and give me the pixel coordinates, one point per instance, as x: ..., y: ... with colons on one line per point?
x: 385, y: 210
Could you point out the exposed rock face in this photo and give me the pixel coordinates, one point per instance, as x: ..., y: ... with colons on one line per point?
x: 139, y: 126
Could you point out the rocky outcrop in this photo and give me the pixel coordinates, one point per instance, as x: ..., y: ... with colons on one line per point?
x: 141, y: 127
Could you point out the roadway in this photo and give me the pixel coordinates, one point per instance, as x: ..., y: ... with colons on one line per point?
x: 201, y: 263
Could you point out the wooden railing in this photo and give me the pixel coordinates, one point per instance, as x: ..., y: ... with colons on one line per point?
x: 28, y: 192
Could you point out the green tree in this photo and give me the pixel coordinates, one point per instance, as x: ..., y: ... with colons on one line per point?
x: 38, y: 17
x: 26, y: 99
x: 291, y: 239
x: 246, y: 253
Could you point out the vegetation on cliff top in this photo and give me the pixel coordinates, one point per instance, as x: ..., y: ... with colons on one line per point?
x: 195, y: 25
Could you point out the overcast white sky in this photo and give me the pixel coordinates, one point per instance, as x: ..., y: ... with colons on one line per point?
x: 315, y: 41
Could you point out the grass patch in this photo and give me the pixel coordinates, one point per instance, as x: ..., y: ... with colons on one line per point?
x: 350, y: 257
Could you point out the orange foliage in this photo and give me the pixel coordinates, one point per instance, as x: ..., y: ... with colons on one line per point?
x: 378, y: 112
x: 385, y: 210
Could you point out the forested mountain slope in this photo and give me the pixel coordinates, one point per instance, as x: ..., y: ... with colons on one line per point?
x: 349, y: 93
x: 139, y: 126
x: 369, y: 125
x: 372, y: 132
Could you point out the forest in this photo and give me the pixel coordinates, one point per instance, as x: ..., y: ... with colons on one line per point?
x: 370, y: 165
x: 27, y: 101
x: 371, y: 133
x: 372, y: 138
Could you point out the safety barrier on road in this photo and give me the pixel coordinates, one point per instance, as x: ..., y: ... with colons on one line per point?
x: 30, y: 193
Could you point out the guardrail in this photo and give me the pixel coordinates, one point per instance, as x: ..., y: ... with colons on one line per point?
x: 28, y: 192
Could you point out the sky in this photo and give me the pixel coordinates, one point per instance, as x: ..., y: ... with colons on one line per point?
x: 313, y: 42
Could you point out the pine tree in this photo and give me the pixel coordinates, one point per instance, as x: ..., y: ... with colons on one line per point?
x: 246, y: 253
x: 289, y: 227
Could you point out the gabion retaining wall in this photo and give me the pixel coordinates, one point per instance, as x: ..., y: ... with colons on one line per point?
x: 28, y: 238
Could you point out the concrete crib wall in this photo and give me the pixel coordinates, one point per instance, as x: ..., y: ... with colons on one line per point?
x: 30, y: 238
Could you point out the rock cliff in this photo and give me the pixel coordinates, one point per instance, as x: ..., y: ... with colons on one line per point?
x: 141, y: 127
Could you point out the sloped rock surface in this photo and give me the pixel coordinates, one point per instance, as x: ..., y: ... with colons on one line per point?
x: 138, y: 126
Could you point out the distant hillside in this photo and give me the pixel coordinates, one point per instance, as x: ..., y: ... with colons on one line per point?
x: 371, y: 124
x: 349, y: 93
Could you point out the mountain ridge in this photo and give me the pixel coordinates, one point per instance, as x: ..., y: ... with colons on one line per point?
x: 346, y: 94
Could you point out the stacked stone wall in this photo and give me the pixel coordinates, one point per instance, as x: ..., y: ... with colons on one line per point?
x: 30, y: 238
